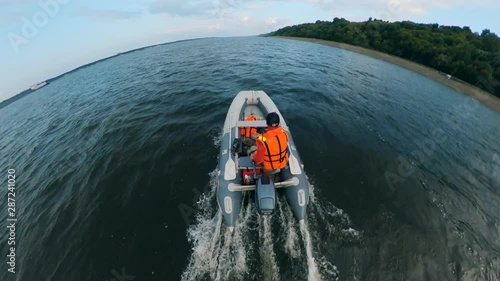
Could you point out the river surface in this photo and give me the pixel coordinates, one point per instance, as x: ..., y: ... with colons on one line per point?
x: 114, y: 168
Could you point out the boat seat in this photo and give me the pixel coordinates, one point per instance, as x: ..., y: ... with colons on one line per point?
x: 272, y: 172
x: 256, y: 124
x: 246, y: 163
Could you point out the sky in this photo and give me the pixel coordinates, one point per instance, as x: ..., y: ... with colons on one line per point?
x: 40, y: 39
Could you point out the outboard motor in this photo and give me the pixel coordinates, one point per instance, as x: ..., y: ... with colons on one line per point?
x: 265, y: 195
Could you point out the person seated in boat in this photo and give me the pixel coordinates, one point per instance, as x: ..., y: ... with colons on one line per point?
x: 271, y: 149
x: 246, y: 133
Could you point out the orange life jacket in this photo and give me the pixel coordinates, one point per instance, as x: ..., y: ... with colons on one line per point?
x: 248, y: 131
x: 276, y: 144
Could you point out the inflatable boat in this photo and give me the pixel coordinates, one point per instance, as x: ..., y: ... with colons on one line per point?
x: 237, y: 173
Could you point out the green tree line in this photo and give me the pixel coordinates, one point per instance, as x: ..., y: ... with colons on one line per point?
x: 467, y: 55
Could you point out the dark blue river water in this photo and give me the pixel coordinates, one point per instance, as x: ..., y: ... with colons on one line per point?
x: 113, y: 165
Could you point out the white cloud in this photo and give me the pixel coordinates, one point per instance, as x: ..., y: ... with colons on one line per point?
x: 11, y: 17
x: 272, y: 21
x: 417, y: 11
x: 392, y: 10
x: 106, y: 15
x: 389, y: 9
x: 256, y: 7
x: 244, y: 19
x: 370, y: 4
x: 214, y: 27
x: 190, y: 29
x: 180, y: 7
x: 193, y: 7
x: 7, y: 3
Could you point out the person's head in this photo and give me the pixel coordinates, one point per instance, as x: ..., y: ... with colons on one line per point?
x: 273, y: 119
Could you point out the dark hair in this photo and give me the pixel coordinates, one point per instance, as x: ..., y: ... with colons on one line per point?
x: 272, y: 118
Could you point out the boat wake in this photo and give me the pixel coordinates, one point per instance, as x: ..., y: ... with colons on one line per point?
x: 273, y: 247
x: 311, y: 263
x: 270, y: 248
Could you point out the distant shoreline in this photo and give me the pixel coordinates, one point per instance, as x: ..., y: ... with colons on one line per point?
x: 460, y: 86
x: 28, y: 91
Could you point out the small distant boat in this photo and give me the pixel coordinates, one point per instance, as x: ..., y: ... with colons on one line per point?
x: 38, y: 86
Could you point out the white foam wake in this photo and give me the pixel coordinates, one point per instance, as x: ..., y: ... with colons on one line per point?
x: 217, y: 253
x: 313, y: 272
x: 252, y: 249
x: 288, y: 222
x: 270, y: 270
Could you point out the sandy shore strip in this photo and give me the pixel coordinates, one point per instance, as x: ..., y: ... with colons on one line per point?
x: 463, y: 87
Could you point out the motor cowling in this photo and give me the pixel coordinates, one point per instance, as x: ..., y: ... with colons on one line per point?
x: 265, y: 195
